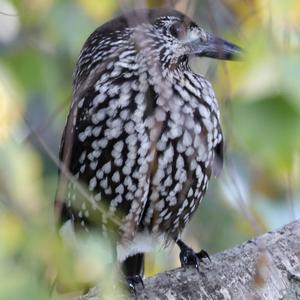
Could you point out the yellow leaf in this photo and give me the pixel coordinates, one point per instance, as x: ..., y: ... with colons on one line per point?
x: 38, y: 6
x: 99, y: 9
x: 10, y: 106
x: 156, y: 3
x: 11, y: 232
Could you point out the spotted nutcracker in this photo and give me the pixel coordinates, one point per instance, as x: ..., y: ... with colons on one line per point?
x: 143, y: 135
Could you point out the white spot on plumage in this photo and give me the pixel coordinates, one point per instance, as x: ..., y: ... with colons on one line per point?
x: 93, y: 165
x: 138, y: 193
x: 96, y: 131
x: 175, y: 132
x: 107, y: 167
x: 179, y: 162
x: 129, y: 196
x: 100, y: 98
x: 197, y: 141
x: 180, y: 147
x: 118, y: 162
x: 191, y: 192
x: 119, y: 199
x: 158, y: 176
x: 97, y: 197
x: 161, y: 145
x: 116, y: 176
x: 167, y: 217
x: 99, y: 174
x: 204, y: 112
x: 104, y: 183
x: 126, y: 170
x: 131, y: 140
x: 144, y: 168
x: 208, y: 124
x: 103, y: 142
x: 160, y: 205
x: 96, y: 153
x: 119, y: 146
x: 197, y: 129
x: 187, y: 139
x: 95, y: 145
x: 82, y: 157
x: 120, y: 189
x: 82, y: 169
x: 168, y: 155
x: 92, y: 184
x: 189, y: 151
x: 161, y: 214
x: 98, y: 117
x: 108, y: 191
x: 168, y: 181
x: 160, y: 115
x: 129, y: 127
x: 80, y: 103
x: 82, y: 136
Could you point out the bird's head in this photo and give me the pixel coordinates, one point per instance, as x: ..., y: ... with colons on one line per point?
x: 163, y: 36
x: 176, y: 36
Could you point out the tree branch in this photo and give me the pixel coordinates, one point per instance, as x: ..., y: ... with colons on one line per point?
x: 267, y: 267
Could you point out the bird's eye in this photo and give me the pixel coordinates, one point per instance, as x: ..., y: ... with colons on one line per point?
x: 178, y: 30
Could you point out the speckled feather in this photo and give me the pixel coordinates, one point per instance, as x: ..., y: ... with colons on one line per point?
x: 145, y: 130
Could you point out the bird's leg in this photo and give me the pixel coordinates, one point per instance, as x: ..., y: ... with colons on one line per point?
x: 133, y: 268
x: 188, y: 257
x: 133, y: 282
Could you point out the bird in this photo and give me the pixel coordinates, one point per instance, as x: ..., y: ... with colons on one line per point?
x: 143, y: 135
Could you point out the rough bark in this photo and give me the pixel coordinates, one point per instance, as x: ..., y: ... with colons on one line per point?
x: 267, y: 267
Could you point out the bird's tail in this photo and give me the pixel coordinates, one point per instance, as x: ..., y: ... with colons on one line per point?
x: 134, y: 265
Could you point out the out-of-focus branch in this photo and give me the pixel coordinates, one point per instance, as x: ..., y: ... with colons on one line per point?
x: 267, y: 267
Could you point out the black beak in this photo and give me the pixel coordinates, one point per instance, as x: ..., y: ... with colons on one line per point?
x: 217, y: 48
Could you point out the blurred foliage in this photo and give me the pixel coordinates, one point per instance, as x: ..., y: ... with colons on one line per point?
x: 259, y: 98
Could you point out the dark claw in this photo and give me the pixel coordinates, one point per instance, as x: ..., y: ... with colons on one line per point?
x: 203, y: 254
x: 189, y: 258
x: 133, y: 282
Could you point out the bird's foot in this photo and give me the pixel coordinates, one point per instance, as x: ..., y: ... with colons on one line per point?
x: 188, y: 257
x: 134, y: 282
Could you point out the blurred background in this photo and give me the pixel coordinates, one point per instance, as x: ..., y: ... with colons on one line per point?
x: 258, y: 191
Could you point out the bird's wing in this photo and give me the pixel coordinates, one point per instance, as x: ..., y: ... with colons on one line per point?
x: 218, y: 156
x: 104, y: 147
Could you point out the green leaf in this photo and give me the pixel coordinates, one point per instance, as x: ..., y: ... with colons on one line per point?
x: 268, y: 129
